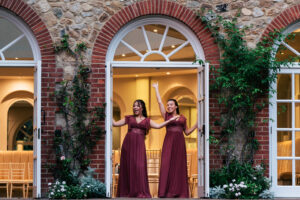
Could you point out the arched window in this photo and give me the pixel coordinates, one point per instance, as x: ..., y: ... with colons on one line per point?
x: 285, y: 110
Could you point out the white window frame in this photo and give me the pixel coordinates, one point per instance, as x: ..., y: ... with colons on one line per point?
x: 36, y: 64
x: 282, y: 191
x: 192, y: 39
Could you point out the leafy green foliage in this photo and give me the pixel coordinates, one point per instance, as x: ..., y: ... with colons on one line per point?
x: 75, y: 142
x: 242, y: 82
x: 239, y: 180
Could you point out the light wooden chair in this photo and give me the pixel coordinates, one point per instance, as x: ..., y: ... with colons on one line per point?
x: 153, y: 168
x: 29, y: 180
x: 189, y: 166
x: 17, y: 175
x: 5, y: 177
x: 115, y: 169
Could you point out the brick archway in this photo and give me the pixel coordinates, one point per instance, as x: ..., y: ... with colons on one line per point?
x: 154, y: 7
x: 284, y: 19
x: 50, y: 75
x: 120, y: 19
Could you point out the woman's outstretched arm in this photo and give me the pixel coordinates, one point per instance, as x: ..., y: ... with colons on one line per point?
x: 118, y: 123
x: 157, y: 126
x: 188, y: 131
x: 161, y: 105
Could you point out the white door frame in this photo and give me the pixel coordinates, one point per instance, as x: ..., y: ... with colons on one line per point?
x: 108, y: 124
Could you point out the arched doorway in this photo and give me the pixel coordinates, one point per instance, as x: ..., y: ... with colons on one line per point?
x: 150, y: 49
x: 20, y: 79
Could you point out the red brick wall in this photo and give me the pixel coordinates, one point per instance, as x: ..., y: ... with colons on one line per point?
x: 50, y: 75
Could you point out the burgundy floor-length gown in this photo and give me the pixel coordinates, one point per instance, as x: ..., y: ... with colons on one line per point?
x: 133, y: 177
x: 173, y: 181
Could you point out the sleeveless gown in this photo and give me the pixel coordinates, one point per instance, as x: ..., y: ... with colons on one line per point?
x: 173, y: 181
x: 133, y: 177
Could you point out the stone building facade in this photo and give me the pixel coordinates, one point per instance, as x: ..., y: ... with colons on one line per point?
x: 97, y: 22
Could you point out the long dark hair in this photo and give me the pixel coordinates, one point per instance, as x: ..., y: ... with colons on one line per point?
x: 176, y: 104
x: 142, y: 103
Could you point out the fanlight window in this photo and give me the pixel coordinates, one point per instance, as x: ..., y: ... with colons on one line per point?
x: 154, y: 42
x: 13, y: 44
x: 290, y: 47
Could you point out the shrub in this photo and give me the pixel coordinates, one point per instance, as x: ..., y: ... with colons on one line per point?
x: 239, y: 180
x: 94, y: 188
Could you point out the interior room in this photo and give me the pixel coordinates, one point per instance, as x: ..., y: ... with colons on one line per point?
x: 16, y: 131
x: 130, y: 84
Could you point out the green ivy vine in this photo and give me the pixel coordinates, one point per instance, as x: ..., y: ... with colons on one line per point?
x: 242, y: 84
x: 75, y: 142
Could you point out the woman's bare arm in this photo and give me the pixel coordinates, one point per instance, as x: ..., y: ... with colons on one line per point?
x: 160, y: 104
x: 119, y: 123
x: 188, y: 131
x: 153, y: 124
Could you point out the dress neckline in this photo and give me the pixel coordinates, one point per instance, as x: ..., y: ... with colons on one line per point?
x: 140, y: 121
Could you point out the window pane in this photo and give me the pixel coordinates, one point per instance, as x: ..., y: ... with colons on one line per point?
x: 297, y: 86
x: 284, y: 115
x: 20, y: 50
x: 284, y: 172
x: 185, y: 54
x: 284, y: 86
x: 173, y: 40
x: 297, y: 115
x: 293, y: 41
x: 136, y: 39
x: 155, y: 34
x: 155, y: 57
x: 284, y: 143
x: 297, y: 144
x: 125, y: 54
x: 284, y: 53
x: 9, y: 33
x: 297, y: 181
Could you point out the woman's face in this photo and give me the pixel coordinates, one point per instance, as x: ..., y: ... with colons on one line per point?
x: 137, y: 108
x: 171, y: 107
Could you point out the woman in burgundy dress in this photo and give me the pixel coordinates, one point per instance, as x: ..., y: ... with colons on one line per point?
x: 173, y: 180
x: 133, y: 178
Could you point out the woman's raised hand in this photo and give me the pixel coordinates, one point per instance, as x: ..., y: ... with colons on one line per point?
x: 155, y: 85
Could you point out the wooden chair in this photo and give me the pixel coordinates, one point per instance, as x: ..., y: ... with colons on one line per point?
x: 5, y: 177
x: 29, y: 180
x: 153, y: 168
x: 115, y: 169
x: 189, y: 165
x: 17, y: 175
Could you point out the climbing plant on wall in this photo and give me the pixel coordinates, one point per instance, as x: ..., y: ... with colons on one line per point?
x: 242, y: 84
x: 75, y: 141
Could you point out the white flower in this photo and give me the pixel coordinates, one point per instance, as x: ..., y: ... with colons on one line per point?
x: 254, y: 178
x: 64, y: 182
x: 63, y: 190
x: 236, y: 194
x: 52, y: 193
x: 49, y: 184
x: 242, y: 183
x: 62, y: 158
x: 233, y: 180
x: 230, y: 184
x: 225, y: 186
x: 88, y: 186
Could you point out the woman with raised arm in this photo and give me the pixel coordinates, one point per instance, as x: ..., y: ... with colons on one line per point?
x: 173, y: 179
x: 133, y: 178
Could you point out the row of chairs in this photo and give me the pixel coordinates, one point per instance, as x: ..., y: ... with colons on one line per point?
x: 153, y: 167
x: 12, y: 177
